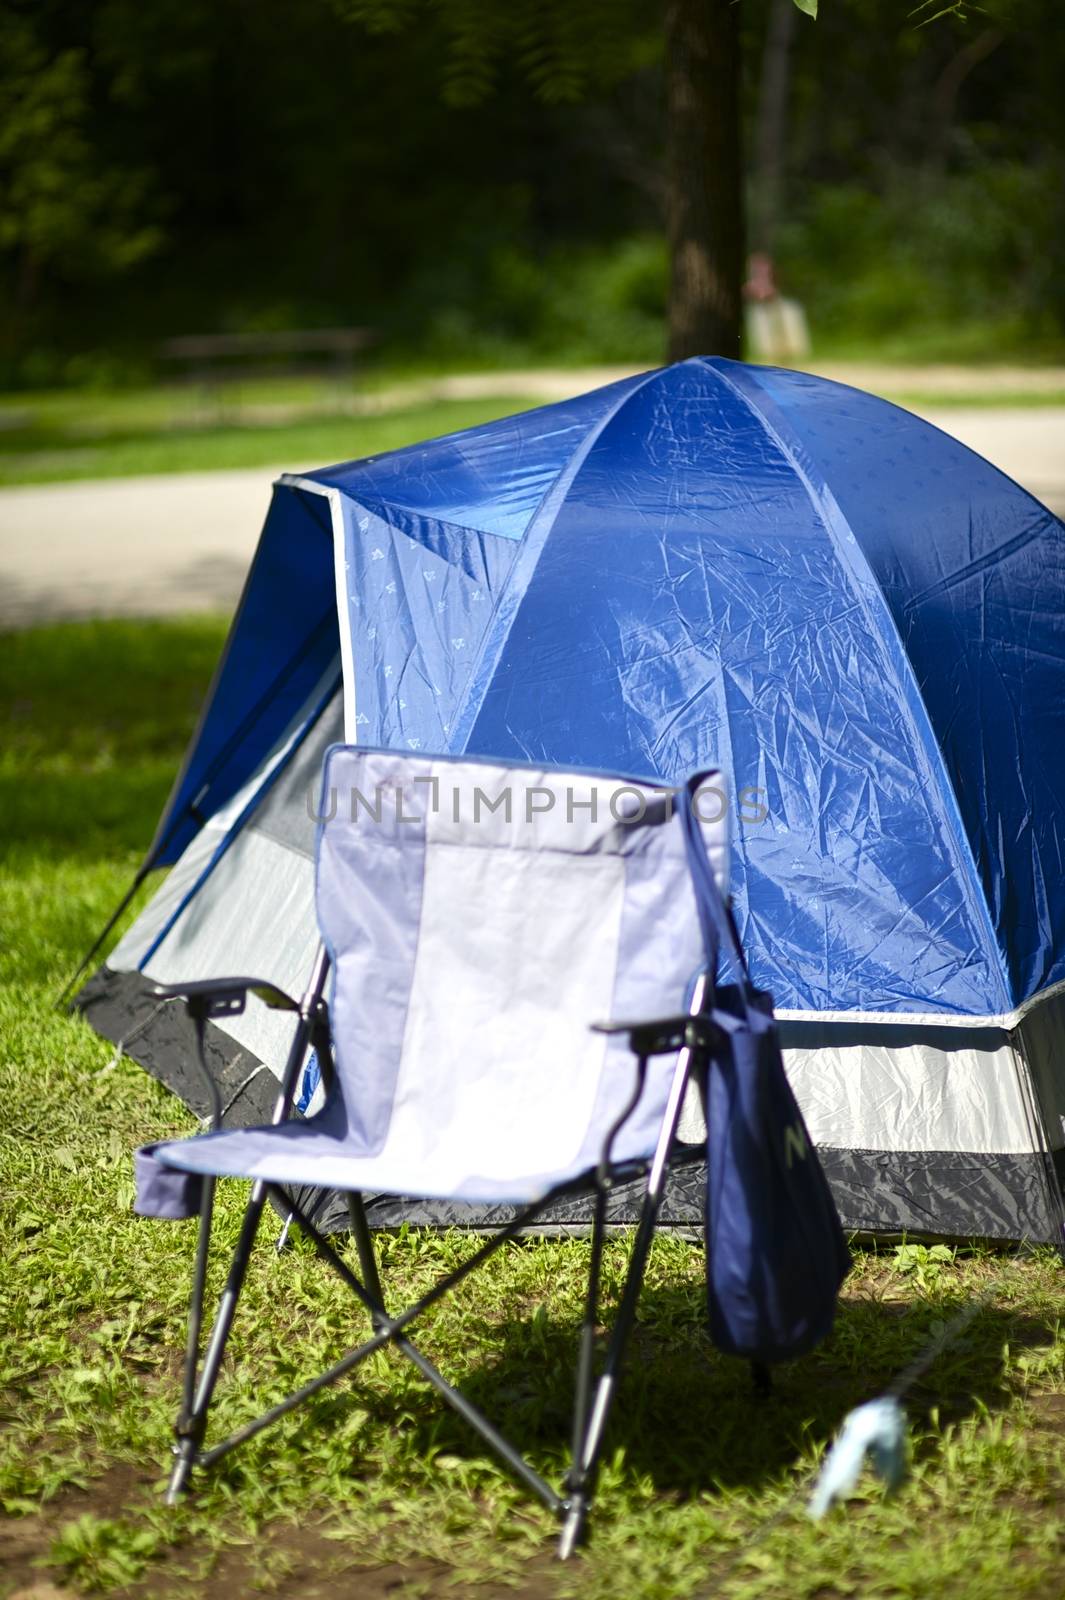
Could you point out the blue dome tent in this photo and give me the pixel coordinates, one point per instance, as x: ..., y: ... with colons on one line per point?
x: 709, y: 564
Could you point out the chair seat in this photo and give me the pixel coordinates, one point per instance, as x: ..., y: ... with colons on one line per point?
x: 315, y: 1153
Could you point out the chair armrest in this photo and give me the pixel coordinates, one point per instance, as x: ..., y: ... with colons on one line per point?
x: 664, y: 1035
x: 225, y: 997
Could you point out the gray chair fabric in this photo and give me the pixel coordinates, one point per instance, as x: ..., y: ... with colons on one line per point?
x: 480, y: 918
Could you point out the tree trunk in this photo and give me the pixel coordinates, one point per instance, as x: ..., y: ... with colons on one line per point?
x: 704, y: 185
x: 772, y: 123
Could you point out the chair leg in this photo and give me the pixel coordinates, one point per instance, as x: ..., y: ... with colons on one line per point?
x: 586, y: 1351
x: 198, y: 1392
x: 586, y: 1454
x: 191, y: 1423
x: 583, y: 1472
x: 360, y: 1230
x: 192, y: 1342
x: 576, y: 1479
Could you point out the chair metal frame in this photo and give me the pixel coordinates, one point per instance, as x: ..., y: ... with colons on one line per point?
x: 691, y: 1036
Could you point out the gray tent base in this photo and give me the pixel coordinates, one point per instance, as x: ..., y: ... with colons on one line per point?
x: 948, y: 1194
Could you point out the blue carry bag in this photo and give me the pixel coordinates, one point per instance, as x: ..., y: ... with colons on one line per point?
x: 776, y: 1254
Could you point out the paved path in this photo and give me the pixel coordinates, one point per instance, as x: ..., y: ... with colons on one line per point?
x: 182, y: 542
x: 152, y: 546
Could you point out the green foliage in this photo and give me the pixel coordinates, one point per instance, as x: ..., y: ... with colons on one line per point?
x: 925, y: 1264
x: 462, y: 177
x: 564, y: 51
x: 63, y: 207
x: 956, y: 251
x: 569, y: 305
x: 930, y: 11
x: 326, y: 184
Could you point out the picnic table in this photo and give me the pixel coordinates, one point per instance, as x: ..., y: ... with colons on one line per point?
x: 210, y: 357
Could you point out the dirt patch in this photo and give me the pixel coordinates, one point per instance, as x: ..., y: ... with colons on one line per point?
x: 303, y: 1564
x: 286, y: 1562
x: 1049, y: 1412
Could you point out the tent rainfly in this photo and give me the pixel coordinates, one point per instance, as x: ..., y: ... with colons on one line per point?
x: 707, y: 565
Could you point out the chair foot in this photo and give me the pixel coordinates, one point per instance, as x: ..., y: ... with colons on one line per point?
x: 179, y: 1476
x: 573, y: 1529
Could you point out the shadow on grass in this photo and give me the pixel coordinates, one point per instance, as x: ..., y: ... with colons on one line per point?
x: 687, y: 1418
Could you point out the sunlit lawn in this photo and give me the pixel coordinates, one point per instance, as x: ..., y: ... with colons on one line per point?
x: 703, y: 1488
x: 78, y: 434
x: 72, y: 434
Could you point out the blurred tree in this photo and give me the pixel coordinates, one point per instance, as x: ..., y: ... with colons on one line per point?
x: 569, y: 50
x: 488, y: 180
x: 704, y: 178
x: 926, y: 178
x: 64, y: 209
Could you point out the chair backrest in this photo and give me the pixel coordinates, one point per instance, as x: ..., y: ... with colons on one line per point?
x: 480, y: 917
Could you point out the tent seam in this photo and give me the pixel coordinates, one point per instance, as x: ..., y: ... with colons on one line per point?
x: 530, y: 549
x: 1001, y: 1021
x: 827, y: 509
x: 339, y: 526
x: 386, y: 512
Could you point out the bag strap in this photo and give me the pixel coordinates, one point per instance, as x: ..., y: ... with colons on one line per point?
x: 715, y: 920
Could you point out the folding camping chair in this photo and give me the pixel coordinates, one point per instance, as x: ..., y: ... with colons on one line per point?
x: 477, y: 921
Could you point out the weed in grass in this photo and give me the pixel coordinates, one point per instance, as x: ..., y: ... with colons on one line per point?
x: 98, y: 1553
x: 923, y: 1263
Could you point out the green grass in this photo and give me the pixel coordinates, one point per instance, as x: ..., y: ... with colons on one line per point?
x: 72, y: 434
x: 60, y: 436
x: 978, y: 399
x: 978, y: 342
x: 702, y: 1492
